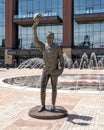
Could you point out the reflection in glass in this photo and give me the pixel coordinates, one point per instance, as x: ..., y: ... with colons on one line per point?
x: 48, y: 4
x: 94, y: 29
x: 2, y: 22
x: 89, y: 3
x: 55, y: 4
x: 27, y: 8
x: 102, y: 2
x: 97, y: 2
x: 82, y: 2
x: 76, y: 3
x: 27, y: 37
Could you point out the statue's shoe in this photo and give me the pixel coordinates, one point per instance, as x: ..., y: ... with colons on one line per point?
x: 53, y: 109
x: 41, y: 109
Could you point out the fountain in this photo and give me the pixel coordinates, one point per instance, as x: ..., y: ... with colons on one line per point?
x: 75, y: 65
x: 76, y: 81
x: 84, y: 61
x: 93, y: 61
x: 89, y: 80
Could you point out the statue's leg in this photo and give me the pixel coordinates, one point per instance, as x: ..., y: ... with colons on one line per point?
x: 44, y: 81
x: 54, y: 91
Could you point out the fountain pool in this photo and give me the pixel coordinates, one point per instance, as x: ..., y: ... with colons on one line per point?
x: 86, y: 82
x: 71, y: 79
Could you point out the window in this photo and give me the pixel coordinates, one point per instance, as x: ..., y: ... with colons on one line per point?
x: 94, y: 29
x: 47, y: 8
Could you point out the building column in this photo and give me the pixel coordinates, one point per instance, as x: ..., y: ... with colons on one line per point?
x: 67, y: 26
x: 10, y: 28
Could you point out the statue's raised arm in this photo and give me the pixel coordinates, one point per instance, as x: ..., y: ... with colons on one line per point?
x: 36, y: 20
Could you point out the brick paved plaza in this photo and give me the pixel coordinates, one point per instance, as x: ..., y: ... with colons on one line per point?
x: 85, y: 109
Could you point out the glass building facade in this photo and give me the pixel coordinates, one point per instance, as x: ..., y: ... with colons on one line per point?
x: 78, y: 26
x: 90, y: 25
x: 27, y: 9
x: 2, y: 22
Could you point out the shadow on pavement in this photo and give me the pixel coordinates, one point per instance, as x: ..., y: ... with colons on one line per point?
x: 79, y: 119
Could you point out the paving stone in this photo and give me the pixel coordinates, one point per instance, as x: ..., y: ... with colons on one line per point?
x: 85, y: 110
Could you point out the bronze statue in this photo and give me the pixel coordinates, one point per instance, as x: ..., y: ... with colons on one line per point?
x: 53, y: 64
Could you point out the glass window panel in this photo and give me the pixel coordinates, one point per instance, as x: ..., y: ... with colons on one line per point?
x: 96, y: 37
x: 54, y: 29
x: 0, y: 17
x: 36, y: 5
x: 102, y: 8
x: 76, y: 27
x: 42, y: 38
x: 51, y: 7
x: 48, y: 12
x: 96, y: 45
x: 54, y: 4
x: 35, y: 11
x: 82, y: 3
x: 97, y: 2
x: 60, y: 3
x: 48, y: 28
x: 29, y: 40
x: 102, y: 26
x: 58, y: 39
x: 97, y: 9
x: 20, y: 29
x: 60, y: 29
x: 76, y: 39
x: 93, y: 29
x: 48, y: 4
x: 89, y: 2
x: 29, y: 6
x: 55, y: 37
x: 90, y: 34
x: 20, y: 45
x: 102, y: 37
x: 89, y: 27
x: 1, y: 7
x: 82, y: 10
x: 82, y: 27
x: 3, y: 31
x: 24, y: 30
x: 41, y: 30
x: 42, y: 4
x: 0, y: 38
x: 2, y: 14
x: 96, y: 26
x: 102, y: 2
x: 81, y: 38
x: 76, y: 3
x: 19, y: 5
x: 58, y: 12
x: 23, y: 5
x: 30, y: 30
x: 24, y: 41
x: 77, y: 10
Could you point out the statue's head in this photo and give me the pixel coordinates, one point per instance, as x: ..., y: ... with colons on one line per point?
x: 50, y: 37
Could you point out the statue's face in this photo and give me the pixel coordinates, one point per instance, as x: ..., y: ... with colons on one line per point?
x: 50, y: 38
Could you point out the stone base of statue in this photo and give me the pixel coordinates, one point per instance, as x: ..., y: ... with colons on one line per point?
x: 59, y: 112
